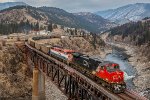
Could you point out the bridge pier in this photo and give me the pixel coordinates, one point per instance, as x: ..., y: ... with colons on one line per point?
x: 41, y: 86
x: 35, y: 94
x: 38, y: 88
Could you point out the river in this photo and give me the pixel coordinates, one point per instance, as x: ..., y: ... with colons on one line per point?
x: 119, y: 56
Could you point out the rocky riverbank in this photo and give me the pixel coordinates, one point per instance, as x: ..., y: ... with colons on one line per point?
x: 142, y: 66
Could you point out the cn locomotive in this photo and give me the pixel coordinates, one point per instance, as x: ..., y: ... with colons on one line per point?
x: 106, y: 73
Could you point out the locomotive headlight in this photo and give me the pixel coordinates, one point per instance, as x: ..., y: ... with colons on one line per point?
x: 106, y: 79
x: 123, y: 87
x: 117, y: 87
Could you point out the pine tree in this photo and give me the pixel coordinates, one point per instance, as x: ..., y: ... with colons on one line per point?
x: 37, y: 26
x: 50, y: 28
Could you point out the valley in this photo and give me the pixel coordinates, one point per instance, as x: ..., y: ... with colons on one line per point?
x: 120, y: 35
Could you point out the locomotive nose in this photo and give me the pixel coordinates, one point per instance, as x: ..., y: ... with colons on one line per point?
x: 118, y: 77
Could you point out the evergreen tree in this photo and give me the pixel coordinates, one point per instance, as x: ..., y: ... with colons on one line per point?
x: 50, y: 28
x: 54, y: 26
x: 37, y: 26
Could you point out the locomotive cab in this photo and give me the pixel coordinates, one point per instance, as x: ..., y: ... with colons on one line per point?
x: 65, y: 54
x: 112, y: 68
x: 111, y: 73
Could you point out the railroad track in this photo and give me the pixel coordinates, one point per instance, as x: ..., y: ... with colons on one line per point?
x: 126, y: 96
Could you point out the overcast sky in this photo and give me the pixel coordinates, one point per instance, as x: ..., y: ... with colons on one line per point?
x: 80, y: 5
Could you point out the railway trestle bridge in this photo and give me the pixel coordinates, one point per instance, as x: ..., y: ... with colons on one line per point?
x: 71, y: 82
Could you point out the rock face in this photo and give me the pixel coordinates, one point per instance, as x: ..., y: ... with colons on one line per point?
x: 15, y: 79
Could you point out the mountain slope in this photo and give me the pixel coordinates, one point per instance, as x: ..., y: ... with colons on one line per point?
x: 135, y: 33
x: 131, y: 12
x: 10, y: 4
x: 95, y: 19
x: 20, y: 13
x: 74, y: 20
x: 52, y: 15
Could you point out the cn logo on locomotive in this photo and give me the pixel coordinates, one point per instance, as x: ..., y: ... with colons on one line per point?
x: 85, y: 63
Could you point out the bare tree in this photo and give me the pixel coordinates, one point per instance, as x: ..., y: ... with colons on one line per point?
x: 3, y: 42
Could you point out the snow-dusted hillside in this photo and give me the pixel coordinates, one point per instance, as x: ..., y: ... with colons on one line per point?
x: 132, y: 12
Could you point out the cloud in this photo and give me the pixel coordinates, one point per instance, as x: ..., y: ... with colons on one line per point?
x: 82, y: 5
x: 6, y: 0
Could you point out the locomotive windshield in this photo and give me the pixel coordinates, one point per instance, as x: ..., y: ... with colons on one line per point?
x: 116, y: 66
x: 76, y: 54
x: 68, y: 52
x: 111, y: 68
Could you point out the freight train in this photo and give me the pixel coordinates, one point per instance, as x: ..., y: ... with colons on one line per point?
x: 106, y: 73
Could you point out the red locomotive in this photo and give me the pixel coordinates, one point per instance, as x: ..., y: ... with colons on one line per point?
x: 105, y: 72
x: 112, y: 75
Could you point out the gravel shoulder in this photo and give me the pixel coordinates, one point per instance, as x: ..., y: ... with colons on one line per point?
x: 52, y: 92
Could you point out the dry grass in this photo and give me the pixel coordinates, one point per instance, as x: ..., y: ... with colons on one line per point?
x: 15, y: 82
